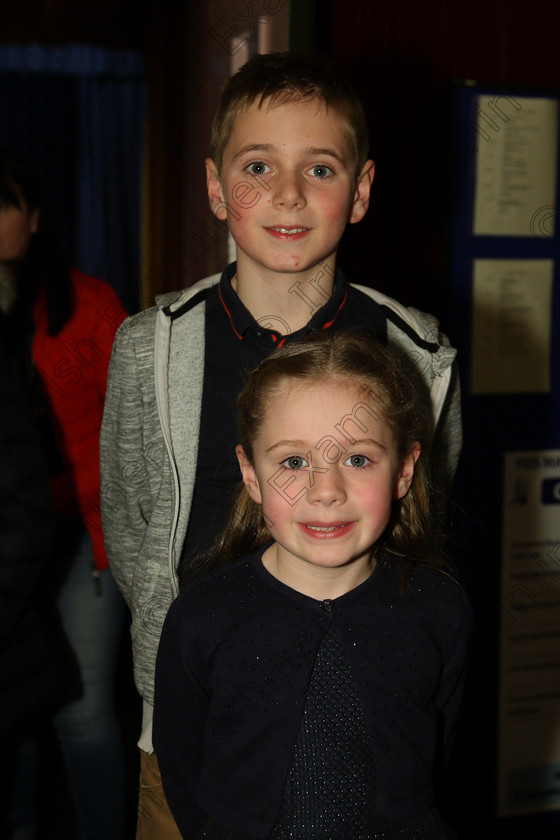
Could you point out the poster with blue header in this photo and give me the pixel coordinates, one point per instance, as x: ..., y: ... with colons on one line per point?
x: 529, y: 715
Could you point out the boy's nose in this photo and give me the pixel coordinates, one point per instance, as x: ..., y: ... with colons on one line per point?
x: 289, y: 191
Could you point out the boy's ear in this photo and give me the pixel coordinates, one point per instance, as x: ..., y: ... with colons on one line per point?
x: 248, y: 474
x: 360, y: 203
x: 406, y: 471
x: 215, y: 192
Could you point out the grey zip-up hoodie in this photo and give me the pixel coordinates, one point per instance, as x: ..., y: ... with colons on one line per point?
x: 149, y: 447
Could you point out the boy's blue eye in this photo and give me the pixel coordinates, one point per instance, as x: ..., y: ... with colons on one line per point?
x: 321, y: 171
x: 257, y: 168
x: 295, y: 462
x: 357, y: 461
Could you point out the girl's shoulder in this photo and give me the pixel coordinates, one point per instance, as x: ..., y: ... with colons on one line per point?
x: 229, y: 602
x: 432, y: 582
x: 230, y: 583
x: 437, y: 595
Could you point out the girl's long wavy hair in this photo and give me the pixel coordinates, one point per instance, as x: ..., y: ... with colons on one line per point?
x: 400, y: 395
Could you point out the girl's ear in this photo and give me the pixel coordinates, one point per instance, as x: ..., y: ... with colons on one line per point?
x: 215, y: 192
x: 406, y: 471
x: 249, y: 476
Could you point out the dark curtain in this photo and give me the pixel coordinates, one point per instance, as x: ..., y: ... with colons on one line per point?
x: 78, y: 113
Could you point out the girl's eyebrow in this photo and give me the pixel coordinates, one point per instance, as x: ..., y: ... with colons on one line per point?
x: 366, y: 441
x: 295, y: 444
x: 305, y: 444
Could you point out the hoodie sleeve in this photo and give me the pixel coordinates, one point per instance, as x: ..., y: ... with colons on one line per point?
x: 125, y: 497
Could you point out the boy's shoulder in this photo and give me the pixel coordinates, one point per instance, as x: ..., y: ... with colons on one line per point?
x: 422, y: 323
x: 176, y: 304
x: 169, y: 306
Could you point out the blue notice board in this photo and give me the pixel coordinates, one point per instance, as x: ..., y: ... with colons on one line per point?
x: 506, y: 534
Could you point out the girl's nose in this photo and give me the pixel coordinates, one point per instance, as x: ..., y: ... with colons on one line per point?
x: 327, y: 486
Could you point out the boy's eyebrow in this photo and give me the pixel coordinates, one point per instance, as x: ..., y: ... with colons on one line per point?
x: 331, y: 152
x: 255, y: 147
x: 269, y: 147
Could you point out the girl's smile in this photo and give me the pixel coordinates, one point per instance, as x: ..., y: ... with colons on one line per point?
x: 324, y: 531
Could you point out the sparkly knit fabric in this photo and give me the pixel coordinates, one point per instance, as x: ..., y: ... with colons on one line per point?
x: 429, y: 826
x: 236, y: 662
x: 331, y: 785
x: 330, y: 790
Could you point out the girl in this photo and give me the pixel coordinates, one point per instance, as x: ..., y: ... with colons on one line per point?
x: 309, y: 688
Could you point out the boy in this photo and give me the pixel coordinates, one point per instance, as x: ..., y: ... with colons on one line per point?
x: 289, y: 170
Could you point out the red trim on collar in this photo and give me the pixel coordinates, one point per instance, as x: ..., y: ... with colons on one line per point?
x: 337, y: 313
x: 228, y: 313
x: 281, y: 342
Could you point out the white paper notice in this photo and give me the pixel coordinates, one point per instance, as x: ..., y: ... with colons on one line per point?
x: 511, y: 326
x: 515, y: 187
x: 529, y: 719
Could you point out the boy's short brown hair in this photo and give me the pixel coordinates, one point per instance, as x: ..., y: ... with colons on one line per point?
x: 289, y: 77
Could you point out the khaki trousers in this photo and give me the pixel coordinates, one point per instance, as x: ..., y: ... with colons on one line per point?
x: 155, y: 821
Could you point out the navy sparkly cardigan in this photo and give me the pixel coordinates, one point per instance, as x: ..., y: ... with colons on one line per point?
x: 233, y: 669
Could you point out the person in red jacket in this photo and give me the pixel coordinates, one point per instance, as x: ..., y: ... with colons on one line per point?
x: 58, y: 327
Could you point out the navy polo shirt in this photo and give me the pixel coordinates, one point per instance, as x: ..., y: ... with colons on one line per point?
x: 234, y: 344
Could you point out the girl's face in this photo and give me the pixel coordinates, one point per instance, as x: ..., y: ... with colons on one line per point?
x: 325, y: 470
x: 17, y: 224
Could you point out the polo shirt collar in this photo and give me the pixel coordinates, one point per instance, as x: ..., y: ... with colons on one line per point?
x: 244, y: 325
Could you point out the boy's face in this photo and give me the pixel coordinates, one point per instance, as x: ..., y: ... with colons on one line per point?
x: 288, y: 187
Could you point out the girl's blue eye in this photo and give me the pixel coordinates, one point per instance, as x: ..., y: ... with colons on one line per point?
x: 257, y: 168
x: 357, y: 461
x: 295, y: 462
x: 321, y: 171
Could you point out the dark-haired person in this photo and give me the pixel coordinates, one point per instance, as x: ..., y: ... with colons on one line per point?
x: 27, y: 669
x: 57, y: 329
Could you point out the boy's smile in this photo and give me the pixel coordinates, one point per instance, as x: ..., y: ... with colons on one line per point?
x: 288, y: 187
